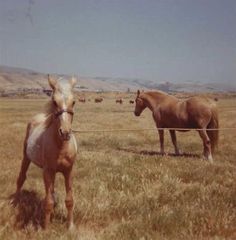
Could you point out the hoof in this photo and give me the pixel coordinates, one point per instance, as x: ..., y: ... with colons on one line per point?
x: 55, y: 199
x: 71, y: 227
x: 178, y: 153
x: 208, y: 158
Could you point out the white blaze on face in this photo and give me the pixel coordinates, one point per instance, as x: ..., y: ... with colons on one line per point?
x: 65, y: 92
x: 64, y: 115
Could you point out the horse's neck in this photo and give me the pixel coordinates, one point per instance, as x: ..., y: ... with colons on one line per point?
x: 152, y: 101
x: 54, y: 134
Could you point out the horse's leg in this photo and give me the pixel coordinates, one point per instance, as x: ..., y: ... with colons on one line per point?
x: 24, y: 164
x: 69, y: 198
x: 174, y: 141
x: 161, y: 137
x: 48, y: 177
x: 54, y: 195
x: 22, y: 175
x: 206, y: 145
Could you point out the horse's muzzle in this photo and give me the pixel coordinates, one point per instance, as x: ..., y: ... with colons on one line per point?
x: 136, y: 114
x: 65, y: 135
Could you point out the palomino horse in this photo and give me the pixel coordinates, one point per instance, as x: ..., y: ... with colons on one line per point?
x: 171, y: 112
x: 50, y: 144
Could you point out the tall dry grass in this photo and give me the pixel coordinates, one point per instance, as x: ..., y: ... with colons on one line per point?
x: 123, y: 188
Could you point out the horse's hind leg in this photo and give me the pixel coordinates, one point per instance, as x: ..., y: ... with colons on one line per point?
x: 206, y: 145
x: 22, y: 175
x: 174, y: 141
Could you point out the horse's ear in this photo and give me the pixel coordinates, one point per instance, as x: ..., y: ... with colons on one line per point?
x: 52, y: 82
x: 73, y: 82
x: 138, y: 92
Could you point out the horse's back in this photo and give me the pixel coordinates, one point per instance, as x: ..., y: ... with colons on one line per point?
x: 36, y: 128
x: 200, y: 103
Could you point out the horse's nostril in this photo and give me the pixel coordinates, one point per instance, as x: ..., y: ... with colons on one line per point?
x: 65, y: 135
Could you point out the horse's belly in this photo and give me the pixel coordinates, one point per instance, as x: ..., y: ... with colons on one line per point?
x: 34, y: 147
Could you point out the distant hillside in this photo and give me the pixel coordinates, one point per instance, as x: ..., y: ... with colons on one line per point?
x: 17, y: 80
x: 23, y: 80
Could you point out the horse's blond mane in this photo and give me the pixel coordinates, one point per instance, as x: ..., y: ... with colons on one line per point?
x: 64, y: 88
x: 49, y: 108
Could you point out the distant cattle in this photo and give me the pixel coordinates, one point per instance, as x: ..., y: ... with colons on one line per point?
x: 98, y: 99
x: 131, y: 101
x: 82, y: 99
x: 120, y: 101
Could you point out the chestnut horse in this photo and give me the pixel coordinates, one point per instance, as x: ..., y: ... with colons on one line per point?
x: 171, y: 112
x: 50, y: 144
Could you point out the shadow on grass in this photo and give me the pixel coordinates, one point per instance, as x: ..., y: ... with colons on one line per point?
x: 155, y: 153
x: 29, y: 209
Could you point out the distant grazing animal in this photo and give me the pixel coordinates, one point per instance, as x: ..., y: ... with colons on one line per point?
x: 50, y: 144
x: 131, y: 101
x: 98, y: 100
x: 171, y: 112
x: 82, y: 100
x: 120, y: 100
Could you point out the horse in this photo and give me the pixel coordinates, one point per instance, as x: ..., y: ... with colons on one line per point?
x: 170, y: 112
x: 98, y: 99
x: 120, y: 100
x: 50, y: 144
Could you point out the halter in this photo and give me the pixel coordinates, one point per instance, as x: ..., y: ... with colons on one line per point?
x: 57, y: 114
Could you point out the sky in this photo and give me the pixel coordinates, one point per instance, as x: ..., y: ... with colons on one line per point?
x: 158, y: 40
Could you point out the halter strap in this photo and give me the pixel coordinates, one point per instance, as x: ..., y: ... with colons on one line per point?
x: 57, y: 114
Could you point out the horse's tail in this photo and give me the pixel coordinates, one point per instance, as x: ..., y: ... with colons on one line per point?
x: 214, y: 124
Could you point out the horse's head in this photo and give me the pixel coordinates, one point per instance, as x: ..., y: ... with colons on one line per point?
x: 63, y: 103
x: 140, y: 104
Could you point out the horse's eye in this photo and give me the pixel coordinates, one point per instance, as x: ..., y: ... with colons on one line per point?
x: 73, y: 103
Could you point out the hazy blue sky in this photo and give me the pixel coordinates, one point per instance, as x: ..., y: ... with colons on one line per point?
x: 162, y: 40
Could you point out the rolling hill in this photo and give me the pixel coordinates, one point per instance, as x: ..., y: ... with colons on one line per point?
x: 18, y: 80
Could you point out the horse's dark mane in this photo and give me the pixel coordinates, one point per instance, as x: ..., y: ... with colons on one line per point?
x: 157, y: 92
x: 154, y: 94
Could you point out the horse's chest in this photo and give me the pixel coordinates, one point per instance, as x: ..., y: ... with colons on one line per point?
x: 64, y: 162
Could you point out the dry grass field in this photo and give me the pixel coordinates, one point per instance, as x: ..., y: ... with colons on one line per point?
x: 123, y: 189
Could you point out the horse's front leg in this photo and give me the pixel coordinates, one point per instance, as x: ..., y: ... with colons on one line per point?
x: 174, y: 141
x: 69, y: 198
x: 22, y: 175
x: 49, y: 177
x: 161, y: 137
